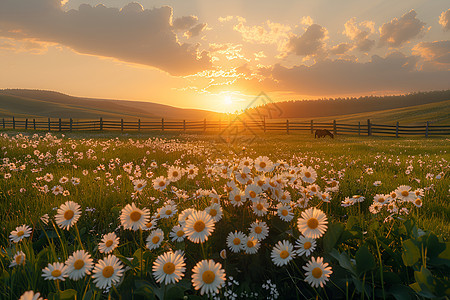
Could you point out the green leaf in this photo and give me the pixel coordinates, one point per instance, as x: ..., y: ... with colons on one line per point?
x: 351, y: 222
x: 364, y: 260
x: 434, y: 247
x: 332, y: 236
x: 411, y: 255
x: 68, y: 295
x: 174, y: 292
x: 425, y: 280
x: 400, y: 292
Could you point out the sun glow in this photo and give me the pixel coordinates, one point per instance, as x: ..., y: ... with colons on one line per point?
x: 228, y: 100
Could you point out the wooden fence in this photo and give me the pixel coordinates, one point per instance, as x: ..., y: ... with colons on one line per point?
x: 237, y: 125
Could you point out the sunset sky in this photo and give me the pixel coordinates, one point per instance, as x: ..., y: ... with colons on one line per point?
x: 218, y: 55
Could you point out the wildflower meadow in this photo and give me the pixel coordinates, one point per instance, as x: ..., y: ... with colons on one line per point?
x: 177, y: 216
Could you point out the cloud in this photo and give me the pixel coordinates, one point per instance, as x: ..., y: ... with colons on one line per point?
x: 340, y: 49
x: 310, y: 43
x: 196, y: 30
x: 360, y: 33
x: 400, y: 31
x: 307, y: 20
x: 269, y: 33
x: 130, y: 34
x: 444, y: 19
x: 437, y: 51
x: 184, y: 22
x: 395, y: 72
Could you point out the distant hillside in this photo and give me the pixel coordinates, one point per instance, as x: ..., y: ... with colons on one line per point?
x: 48, y: 104
x: 346, y: 106
x: 436, y: 113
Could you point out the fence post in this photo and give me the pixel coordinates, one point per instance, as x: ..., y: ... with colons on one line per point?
x: 101, y: 124
x: 34, y: 124
x: 26, y: 124
x: 49, y: 125
x: 14, y: 123
x: 71, y: 124
x: 162, y: 124
x: 287, y: 126
x: 396, y: 130
x: 139, y: 124
x: 264, y: 124
x: 121, y: 125
x: 59, y: 124
x: 369, y: 128
x: 312, y: 126
x: 184, y: 125
x: 334, y: 127
x: 359, y: 128
x: 204, y: 125
x: 426, y: 130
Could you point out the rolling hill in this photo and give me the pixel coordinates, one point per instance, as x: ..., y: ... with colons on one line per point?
x: 47, y: 104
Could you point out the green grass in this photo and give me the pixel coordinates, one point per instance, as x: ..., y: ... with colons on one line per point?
x: 345, y: 158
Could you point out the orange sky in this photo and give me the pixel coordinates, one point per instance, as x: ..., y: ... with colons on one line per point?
x: 220, y: 55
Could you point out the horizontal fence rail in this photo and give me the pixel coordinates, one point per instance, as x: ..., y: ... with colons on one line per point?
x: 228, y: 126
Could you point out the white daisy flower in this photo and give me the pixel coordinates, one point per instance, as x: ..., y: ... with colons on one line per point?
x: 79, y: 264
x: 251, y: 245
x: 68, y: 214
x: 199, y: 227
x: 155, y: 239
x: 177, y: 234
x: 215, y: 211
x: 208, y: 277
x: 109, y: 242
x: 18, y: 259
x: 134, y: 218
x: 282, y: 253
x: 107, y: 272
x: 20, y: 233
x: 169, y: 267
x: 259, y: 230
x: 235, y: 240
x: 55, y: 271
x: 305, y: 245
x: 285, y: 212
x: 317, y: 272
x: 312, y: 223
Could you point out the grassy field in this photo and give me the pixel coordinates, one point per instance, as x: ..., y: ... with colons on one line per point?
x: 101, y: 171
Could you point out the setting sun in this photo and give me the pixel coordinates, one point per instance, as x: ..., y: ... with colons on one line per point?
x: 228, y: 100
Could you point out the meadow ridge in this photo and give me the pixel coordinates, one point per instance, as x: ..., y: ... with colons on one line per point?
x: 190, y: 215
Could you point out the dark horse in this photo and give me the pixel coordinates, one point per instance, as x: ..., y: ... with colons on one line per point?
x: 323, y: 133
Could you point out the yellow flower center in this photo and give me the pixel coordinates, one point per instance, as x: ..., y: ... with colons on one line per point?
x: 149, y: 225
x: 20, y: 233
x: 250, y: 244
x: 208, y: 277
x: 108, y: 271
x: 393, y: 195
x: 284, y: 254
x: 334, y: 183
x: 19, y: 259
x: 175, y: 174
x: 68, y: 214
x: 307, y: 245
x: 418, y: 202
x: 284, y: 212
x: 381, y: 200
x: 139, y: 185
x: 262, y: 165
x: 109, y: 243
x: 199, y: 226
x: 313, y: 223
x: 155, y: 239
x: 313, y: 189
x: 258, y: 230
x: 79, y: 263
x: 162, y: 183
x: 307, y: 174
x: 56, y: 273
x: 260, y: 182
x: 135, y: 216
x: 169, y: 268
x: 168, y: 212
x: 236, y: 241
x: 191, y: 171
x: 405, y: 193
x: 213, y: 212
x: 237, y: 198
x: 252, y: 194
x: 259, y: 206
x: 180, y: 233
x: 317, y: 273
